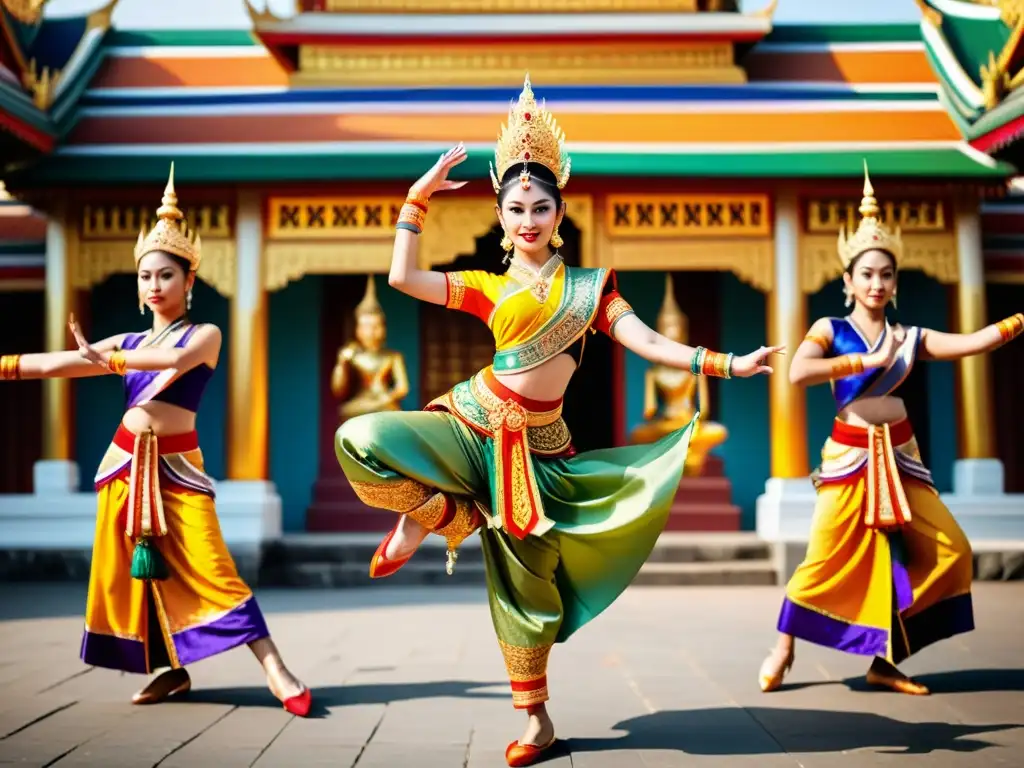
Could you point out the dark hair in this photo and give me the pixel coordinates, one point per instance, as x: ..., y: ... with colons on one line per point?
x: 183, y: 263
x: 859, y: 256
x: 539, y: 174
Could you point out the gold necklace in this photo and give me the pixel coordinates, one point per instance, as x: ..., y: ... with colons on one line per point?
x: 537, y: 282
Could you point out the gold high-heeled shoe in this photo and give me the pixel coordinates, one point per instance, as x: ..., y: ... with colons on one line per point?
x: 772, y: 681
x: 898, y: 684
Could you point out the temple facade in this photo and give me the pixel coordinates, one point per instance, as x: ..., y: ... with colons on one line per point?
x: 708, y: 145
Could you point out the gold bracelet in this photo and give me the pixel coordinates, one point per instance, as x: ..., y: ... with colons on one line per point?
x: 1010, y: 328
x: 117, y: 364
x: 716, y: 364
x: 847, y: 365
x: 821, y: 341
x: 10, y: 368
x: 412, y: 215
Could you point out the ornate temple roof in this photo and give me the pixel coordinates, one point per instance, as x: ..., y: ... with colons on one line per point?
x: 977, y: 51
x: 45, y: 65
x: 336, y: 94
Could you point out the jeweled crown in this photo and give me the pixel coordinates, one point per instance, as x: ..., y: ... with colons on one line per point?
x: 871, y: 233
x: 170, y: 234
x: 530, y: 136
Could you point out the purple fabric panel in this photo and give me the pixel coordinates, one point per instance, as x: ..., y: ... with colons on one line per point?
x: 244, y: 624
x: 135, y: 382
x: 113, y: 653
x: 131, y: 341
x: 901, y: 584
x: 823, y: 630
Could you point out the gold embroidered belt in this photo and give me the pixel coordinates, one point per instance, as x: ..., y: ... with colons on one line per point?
x: 143, y: 458
x: 514, y: 423
x: 882, y: 453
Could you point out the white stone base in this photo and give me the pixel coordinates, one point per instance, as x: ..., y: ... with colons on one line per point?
x: 57, y: 516
x: 249, y: 511
x: 784, y: 515
x: 979, y: 504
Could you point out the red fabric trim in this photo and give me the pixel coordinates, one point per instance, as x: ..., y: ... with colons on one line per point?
x: 529, y: 685
x: 124, y: 439
x: 857, y: 437
x: 536, y: 406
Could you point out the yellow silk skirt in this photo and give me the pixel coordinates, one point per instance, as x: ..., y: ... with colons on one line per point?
x: 880, y: 591
x: 202, y: 609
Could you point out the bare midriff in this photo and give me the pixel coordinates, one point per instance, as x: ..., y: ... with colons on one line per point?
x: 548, y: 381
x: 874, y: 410
x: 162, y: 418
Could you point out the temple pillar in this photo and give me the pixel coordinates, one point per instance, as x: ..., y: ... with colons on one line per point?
x: 57, y: 472
x: 248, y: 504
x: 978, y: 502
x: 977, y: 470
x: 784, y: 510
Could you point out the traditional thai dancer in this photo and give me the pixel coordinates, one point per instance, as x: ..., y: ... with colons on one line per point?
x: 563, y: 533
x: 163, y: 589
x: 887, y: 570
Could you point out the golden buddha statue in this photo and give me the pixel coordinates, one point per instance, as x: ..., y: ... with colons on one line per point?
x: 367, y: 377
x: 669, y: 394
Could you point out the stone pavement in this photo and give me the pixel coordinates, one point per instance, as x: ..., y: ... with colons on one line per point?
x: 413, y: 677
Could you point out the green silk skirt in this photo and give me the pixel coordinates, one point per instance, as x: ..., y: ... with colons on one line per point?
x: 608, y: 507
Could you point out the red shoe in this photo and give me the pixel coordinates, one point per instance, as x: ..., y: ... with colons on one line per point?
x: 380, y: 565
x: 517, y: 754
x: 299, y: 705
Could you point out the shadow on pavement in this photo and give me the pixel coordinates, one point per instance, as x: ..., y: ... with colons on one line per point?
x: 765, y: 731
x: 349, y: 695
x: 954, y: 681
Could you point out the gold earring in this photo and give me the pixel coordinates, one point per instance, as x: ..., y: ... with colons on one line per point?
x: 893, y: 301
x: 506, y: 243
x: 849, y: 296
x: 556, y: 239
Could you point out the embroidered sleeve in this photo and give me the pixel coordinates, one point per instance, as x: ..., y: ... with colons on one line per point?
x: 612, y: 308
x: 473, y: 292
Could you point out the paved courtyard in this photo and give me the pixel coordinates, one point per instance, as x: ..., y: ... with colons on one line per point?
x: 413, y: 677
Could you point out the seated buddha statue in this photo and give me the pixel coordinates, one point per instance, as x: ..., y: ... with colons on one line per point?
x: 669, y: 402
x: 367, y: 377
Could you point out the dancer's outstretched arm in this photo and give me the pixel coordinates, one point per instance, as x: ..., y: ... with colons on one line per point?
x: 405, y: 275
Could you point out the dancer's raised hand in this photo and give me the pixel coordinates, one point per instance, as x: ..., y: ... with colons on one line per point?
x: 436, y: 179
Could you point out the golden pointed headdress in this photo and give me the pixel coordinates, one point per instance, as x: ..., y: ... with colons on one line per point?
x: 670, y: 311
x: 171, y: 233
x: 530, y: 136
x: 369, y: 305
x: 871, y: 233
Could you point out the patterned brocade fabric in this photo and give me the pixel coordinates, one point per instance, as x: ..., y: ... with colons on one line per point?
x: 613, y: 308
x: 527, y: 672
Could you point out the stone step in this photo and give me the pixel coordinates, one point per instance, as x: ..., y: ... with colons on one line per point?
x: 723, y: 573
x: 343, y: 560
x: 697, y: 547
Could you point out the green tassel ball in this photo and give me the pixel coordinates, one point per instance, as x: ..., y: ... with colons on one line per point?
x: 147, y: 562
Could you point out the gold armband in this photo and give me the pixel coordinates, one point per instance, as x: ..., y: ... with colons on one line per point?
x: 847, y: 365
x: 10, y: 367
x: 1011, y: 327
x: 413, y: 214
x: 821, y: 341
x: 117, y: 364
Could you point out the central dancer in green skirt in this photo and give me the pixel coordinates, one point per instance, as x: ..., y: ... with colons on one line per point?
x: 563, y: 533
